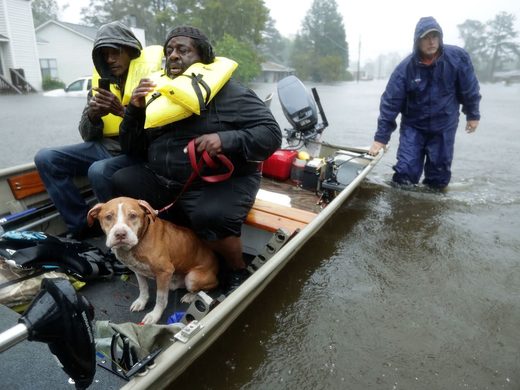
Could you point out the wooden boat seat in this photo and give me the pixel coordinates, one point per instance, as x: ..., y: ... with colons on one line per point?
x: 264, y: 215
x: 272, y: 216
x: 26, y: 184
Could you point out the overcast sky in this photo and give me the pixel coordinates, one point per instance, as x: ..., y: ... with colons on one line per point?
x: 382, y: 26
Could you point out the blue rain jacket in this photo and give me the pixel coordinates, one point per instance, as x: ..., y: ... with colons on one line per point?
x: 429, y: 97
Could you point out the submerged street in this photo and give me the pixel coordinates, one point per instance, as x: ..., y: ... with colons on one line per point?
x: 400, y: 290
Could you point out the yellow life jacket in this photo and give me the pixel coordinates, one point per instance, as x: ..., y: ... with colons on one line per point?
x: 149, y: 61
x: 186, y: 94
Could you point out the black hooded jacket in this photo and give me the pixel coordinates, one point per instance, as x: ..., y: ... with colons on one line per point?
x: 246, y: 127
x: 114, y: 34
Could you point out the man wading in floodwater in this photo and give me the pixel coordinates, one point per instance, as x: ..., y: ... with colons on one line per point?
x: 427, y: 88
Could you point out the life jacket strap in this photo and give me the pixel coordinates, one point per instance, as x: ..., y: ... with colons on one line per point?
x: 196, y: 82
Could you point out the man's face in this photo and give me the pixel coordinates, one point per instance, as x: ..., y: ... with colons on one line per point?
x: 429, y: 44
x: 118, y: 60
x: 180, y: 54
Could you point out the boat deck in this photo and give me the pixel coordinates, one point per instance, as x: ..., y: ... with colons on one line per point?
x: 300, y: 198
x: 112, y: 298
x: 281, y: 203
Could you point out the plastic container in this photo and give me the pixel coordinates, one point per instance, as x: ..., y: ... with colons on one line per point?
x: 278, y: 165
x: 297, y: 169
x: 311, y: 174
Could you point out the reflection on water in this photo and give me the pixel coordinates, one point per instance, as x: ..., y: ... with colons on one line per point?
x: 402, y: 289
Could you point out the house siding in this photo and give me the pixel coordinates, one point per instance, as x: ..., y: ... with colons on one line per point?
x: 21, y: 51
x: 71, y: 51
x: 3, y: 45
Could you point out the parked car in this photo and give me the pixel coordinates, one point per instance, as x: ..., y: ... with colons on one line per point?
x: 78, y: 88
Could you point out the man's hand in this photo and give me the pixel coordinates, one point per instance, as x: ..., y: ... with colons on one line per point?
x: 103, y: 103
x: 139, y: 93
x: 471, y: 126
x: 375, y: 148
x: 209, y: 143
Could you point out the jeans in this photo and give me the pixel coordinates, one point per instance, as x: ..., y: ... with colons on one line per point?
x: 213, y: 210
x: 100, y: 175
x: 59, y: 166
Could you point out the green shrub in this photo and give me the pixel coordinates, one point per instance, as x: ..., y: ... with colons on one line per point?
x: 50, y: 83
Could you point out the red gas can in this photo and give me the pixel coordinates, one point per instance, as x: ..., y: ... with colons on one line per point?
x: 278, y: 165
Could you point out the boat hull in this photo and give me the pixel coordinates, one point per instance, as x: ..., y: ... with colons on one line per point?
x: 173, y: 360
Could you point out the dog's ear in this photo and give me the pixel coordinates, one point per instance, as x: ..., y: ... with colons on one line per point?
x: 93, y: 213
x: 147, y: 208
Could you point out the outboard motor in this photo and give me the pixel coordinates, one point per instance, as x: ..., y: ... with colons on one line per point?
x: 299, y: 107
x: 62, y: 319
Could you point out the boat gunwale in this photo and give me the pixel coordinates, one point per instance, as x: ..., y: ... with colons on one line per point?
x: 174, y: 360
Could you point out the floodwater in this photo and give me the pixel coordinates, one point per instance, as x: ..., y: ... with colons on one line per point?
x: 400, y: 290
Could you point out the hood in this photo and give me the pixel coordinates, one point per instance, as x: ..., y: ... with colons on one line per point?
x: 423, y: 25
x: 113, y: 34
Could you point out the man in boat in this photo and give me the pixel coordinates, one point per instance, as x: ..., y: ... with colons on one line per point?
x: 427, y: 88
x: 235, y: 123
x: 115, y: 47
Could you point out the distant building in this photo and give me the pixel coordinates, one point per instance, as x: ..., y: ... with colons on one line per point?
x: 18, y: 51
x: 273, y: 72
x: 362, y: 75
x: 65, y: 49
x: 508, y: 77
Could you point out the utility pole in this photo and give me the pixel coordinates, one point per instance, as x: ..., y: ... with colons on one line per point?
x: 358, y: 59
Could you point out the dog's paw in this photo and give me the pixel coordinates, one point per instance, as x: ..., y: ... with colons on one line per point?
x: 151, y: 318
x: 138, y: 305
x: 189, y: 297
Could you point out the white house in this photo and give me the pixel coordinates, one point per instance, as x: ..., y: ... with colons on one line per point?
x: 65, y: 49
x: 57, y: 49
x: 18, y: 50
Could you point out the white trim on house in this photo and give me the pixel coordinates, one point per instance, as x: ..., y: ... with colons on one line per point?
x: 70, y: 27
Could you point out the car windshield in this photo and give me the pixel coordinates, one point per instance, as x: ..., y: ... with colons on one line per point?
x: 75, y: 86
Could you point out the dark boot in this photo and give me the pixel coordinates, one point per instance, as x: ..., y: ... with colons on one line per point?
x: 236, y: 278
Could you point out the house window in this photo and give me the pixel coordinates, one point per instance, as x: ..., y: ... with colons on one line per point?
x: 49, y: 68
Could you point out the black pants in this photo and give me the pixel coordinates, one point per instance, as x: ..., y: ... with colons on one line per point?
x: 213, y: 210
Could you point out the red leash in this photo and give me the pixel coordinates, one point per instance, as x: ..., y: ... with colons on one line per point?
x: 198, y: 165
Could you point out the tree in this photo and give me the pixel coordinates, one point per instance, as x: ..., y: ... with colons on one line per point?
x: 243, y: 53
x: 274, y: 47
x: 323, y: 34
x: 473, y: 33
x: 492, y: 46
x: 44, y: 10
x: 156, y: 17
x: 301, y: 57
x: 501, y: 42
x: 243, y: 20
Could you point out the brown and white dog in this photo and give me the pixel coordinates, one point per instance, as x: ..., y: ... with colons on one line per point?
x: 155, y: 248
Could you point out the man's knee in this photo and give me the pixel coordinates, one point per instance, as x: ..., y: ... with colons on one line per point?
x: 96, y: 170
x: 214, y: 224
x: 43, y: 157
